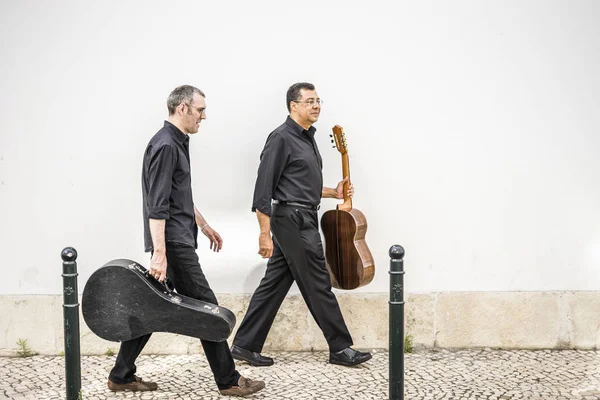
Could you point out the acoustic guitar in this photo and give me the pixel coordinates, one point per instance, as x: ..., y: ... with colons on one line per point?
x: 347, y: 255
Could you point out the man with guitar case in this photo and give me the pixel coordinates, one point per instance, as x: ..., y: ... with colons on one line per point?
x: 170, y: 232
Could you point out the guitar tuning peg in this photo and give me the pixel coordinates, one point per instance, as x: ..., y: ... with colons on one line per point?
x: 333, y: 147
x: 332, y: 141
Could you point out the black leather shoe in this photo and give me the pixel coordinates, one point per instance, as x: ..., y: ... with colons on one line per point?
x: 349, y: 357
x: 251, y: 357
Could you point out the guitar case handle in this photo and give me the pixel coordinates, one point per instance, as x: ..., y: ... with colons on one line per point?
x: 166, y: 284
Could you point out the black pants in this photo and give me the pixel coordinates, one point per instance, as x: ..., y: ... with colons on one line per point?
x: 186, y: 275
x: 297, y: 255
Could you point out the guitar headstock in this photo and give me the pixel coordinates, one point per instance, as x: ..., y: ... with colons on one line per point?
x: 339, y: 139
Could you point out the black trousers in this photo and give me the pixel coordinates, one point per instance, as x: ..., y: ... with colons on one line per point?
x: 186, y: 275
x: 297, y: 256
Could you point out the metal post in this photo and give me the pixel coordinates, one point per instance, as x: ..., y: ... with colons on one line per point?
x: 71, y: 317
x: 396, y: 351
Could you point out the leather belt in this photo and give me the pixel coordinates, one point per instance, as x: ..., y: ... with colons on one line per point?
x: 294, y: 204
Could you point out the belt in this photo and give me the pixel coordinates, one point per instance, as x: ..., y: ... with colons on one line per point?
x: 294, y: 204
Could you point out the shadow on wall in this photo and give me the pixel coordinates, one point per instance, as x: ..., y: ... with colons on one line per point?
x: 253, y: 277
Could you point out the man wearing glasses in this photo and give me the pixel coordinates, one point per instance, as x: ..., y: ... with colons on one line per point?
x: 288, y: 190
x: 171, y: 224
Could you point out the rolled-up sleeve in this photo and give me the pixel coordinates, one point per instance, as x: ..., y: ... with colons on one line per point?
x: 273, y: 161
x: 161, y: 165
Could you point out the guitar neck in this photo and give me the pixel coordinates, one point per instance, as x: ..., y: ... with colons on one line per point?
x: 347, y: 205
x: 340, y: 143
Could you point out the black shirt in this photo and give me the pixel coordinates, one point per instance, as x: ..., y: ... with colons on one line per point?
x: 167, y: 188
x: 290, y: 168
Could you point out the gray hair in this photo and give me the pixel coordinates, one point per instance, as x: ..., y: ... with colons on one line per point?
x: 182, y: 94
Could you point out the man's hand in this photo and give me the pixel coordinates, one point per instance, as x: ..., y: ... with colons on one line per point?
x: 339, y: 190
x: 265, y: 245
x: 216, y: 243
x: 158, y: 266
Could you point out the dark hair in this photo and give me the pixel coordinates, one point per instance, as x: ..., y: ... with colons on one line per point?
x: 182, y: 94
x: 293, y: 92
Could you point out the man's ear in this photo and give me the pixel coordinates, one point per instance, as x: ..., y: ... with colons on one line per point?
x: 180, y: 109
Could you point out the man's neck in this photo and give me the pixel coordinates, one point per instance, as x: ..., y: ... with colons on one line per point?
x: 177, y: 124
x: 305, y: 124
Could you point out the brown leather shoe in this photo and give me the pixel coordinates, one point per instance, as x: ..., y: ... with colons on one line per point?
x: 244, y: 388
x: 138, y: 385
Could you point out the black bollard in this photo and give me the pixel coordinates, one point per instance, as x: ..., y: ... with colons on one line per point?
x: 71, y: 316
x: 396, y: 351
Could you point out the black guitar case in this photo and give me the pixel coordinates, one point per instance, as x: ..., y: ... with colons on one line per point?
x: 121, y: 302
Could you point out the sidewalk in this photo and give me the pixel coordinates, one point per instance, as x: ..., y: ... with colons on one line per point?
x: 467, y: 374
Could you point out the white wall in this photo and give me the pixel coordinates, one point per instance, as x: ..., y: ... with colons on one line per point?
x: 472, y: 127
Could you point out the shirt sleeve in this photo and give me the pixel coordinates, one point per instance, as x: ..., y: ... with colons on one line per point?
x: 161, y: 164
x: 273, y: 161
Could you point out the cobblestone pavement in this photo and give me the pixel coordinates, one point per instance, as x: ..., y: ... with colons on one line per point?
x: 468, y: 374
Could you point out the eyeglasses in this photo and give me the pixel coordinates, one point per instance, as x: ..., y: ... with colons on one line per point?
x: 310, y: 102
x: 199, y: 109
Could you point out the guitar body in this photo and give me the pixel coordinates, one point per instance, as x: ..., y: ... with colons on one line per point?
x: 121, y: 302
x: 347, y: 256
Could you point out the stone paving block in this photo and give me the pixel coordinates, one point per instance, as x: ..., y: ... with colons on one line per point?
x: 293, y: 317
x: 529, y: 320
x: 465, y: 374
x: 585, y: 319
x: 502, y: 320
x: 367, y: 318
x: 36, y: 314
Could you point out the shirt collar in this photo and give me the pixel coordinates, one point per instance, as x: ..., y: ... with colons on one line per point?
x: 298, y: 129
x: 177, y: 133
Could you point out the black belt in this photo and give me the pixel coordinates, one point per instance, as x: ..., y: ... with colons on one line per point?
x: 294, y: 204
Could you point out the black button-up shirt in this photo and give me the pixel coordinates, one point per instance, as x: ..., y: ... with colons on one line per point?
x: 290, y: 168
x: 167, y: 188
